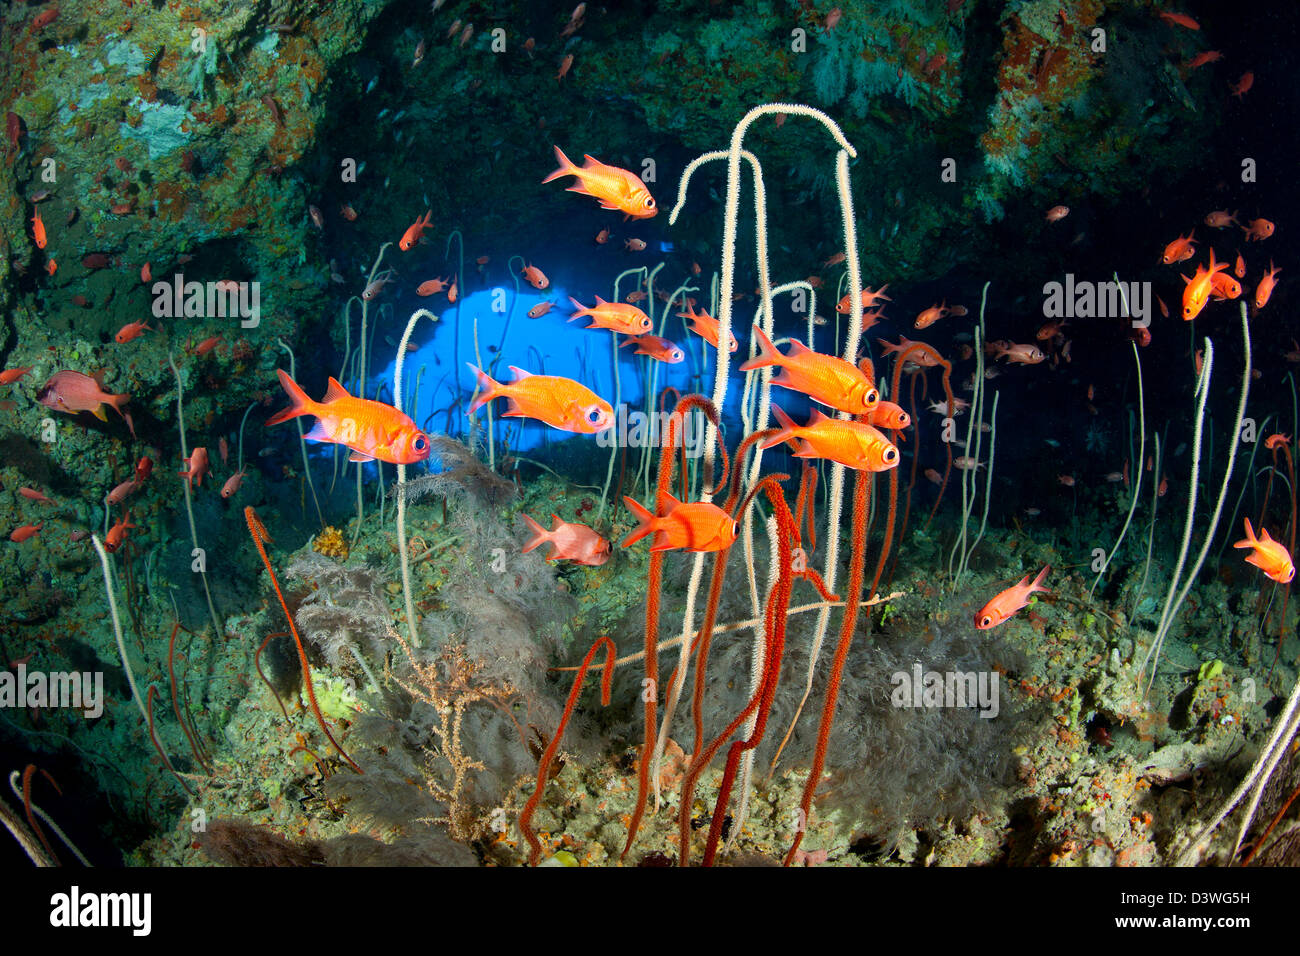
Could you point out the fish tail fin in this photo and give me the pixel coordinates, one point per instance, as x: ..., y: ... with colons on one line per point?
x: 1038, y: 581
x: 787, y: 428
x: 1250, y: 540
x: 488, y: 389
x: 566, y: 166
x: 540, y: 534
x: 643, y: 515
x: 767, y: 353
x: 581, y: 309
x: 299, y: 403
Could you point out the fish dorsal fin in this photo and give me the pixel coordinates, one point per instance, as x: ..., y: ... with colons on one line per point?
x: 672, y: 502
x: 797, y: 348
x: 520, y: 374
x: 335, y: 391
x: 817, y: 417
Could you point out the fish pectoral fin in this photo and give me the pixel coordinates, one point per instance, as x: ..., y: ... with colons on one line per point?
x: 317, y: 432
x: 360, y: 456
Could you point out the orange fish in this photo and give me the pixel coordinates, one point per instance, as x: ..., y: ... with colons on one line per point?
x: 659, y: 349
x: 196, y: 466
x: 1257, y: 230
x: 540, y: 309
x: 117, y: 534
x: 1008, y: 602
x: 705, y: 325
x: 1224, y: 286
x: 536, y: 278
x: 603, y: 237
x: 888, y: 415
x: 38, y: 229
x: 565, y: 65
x: 615, y: 188
x: 1265, y: 288
x: 823, y: 378
x: 1198, y: 288
x: 634, y: 245
x: 569, y: 542
x: 19, y: 535
x: 1239, y: 267
x: 1181, y: 19
x: 559, y: 402
x: 1050, y: 330
x: 1057, y: 213
x: 853, y: 444
x: 1180, y: 249
x: 698, y: 526
x: 1209, y: 56
x: 33, y: 495
x: 1268, y: 555
x: 869, y: 299
x: 121, y: 492
x: 635, y: 296
x: 1273, y: 442
x: 931, y: 315
x: 833, y: 260
x: 130, y: 332
x: 1243, y: 85
x: 431, y: 286
x: 51, y: 267
x: 615, y: 316
x: 371, y: 429
x: 146, y: 273
x: 415, y: 232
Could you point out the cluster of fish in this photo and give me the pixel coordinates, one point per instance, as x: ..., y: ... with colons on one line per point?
x: 1212, y: 280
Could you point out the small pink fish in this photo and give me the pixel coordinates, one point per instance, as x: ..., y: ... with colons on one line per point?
x: 232, y: 484
x: 122, y: 491
x: 19, y: 535
x: 34, y: 495
x: 569, y: 542
x: 196, y: 466
x: 223, y: 449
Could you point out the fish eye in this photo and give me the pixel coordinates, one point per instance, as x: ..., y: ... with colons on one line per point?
x: 594, y: 415
x: 904, y: 420
x: 420, y: 443
x: 649, y: 202
x: 986, y: 621
x: 872, y: 397
x: 891, y: 455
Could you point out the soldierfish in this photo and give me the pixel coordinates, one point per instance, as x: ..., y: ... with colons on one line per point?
x: 616, y: 188
x: 615, y: 316
x: 697, y: 526
x: 1268, y: 555
x: 659, y: 349
x: 825, y: 378
x: 569, y: 542
x: 559, y: 402
x: 371, y: 429
x: 73, y: 392
x: 855, y: 445
x: 705, y: 325
x: 1008, y: 602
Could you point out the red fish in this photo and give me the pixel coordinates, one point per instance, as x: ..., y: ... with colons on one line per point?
x: 44, y: 18
x: 1257, y: 230
x: 1180, y: 19
x: 117, y: 535
x: 1057, y: 213
x: 931, y: 315
x: 1221, y: 219
x: 1021, y: 354
x: 416, y: 230
x: 196, y: 466
x: 431, y: 286
x: 11, y: 375
x: 1265, y: 288
x: 560, y: 402
x: 889, y: 415
x: 33, y: 495
x: 616, y: 188
x: 1180, y: 249
x: 123, y: 491
x: 869, y: 299
x: 130, y: 332
x: 1008, y: 602
x: 1209, y: 56
x: 1198, y: 288
x: 698, y: 526
x: 569, y: 542
x: 540, y: 309
x: 634, y: 245
x: 73, y: 392
x: 659, y: 349
x: 705, y: 325
x: 21, y: 534
x: 38, y: 228
x: 536, y: 277
x: 1243, y: 85
x: 371, y: 429
x: 232, y: 484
